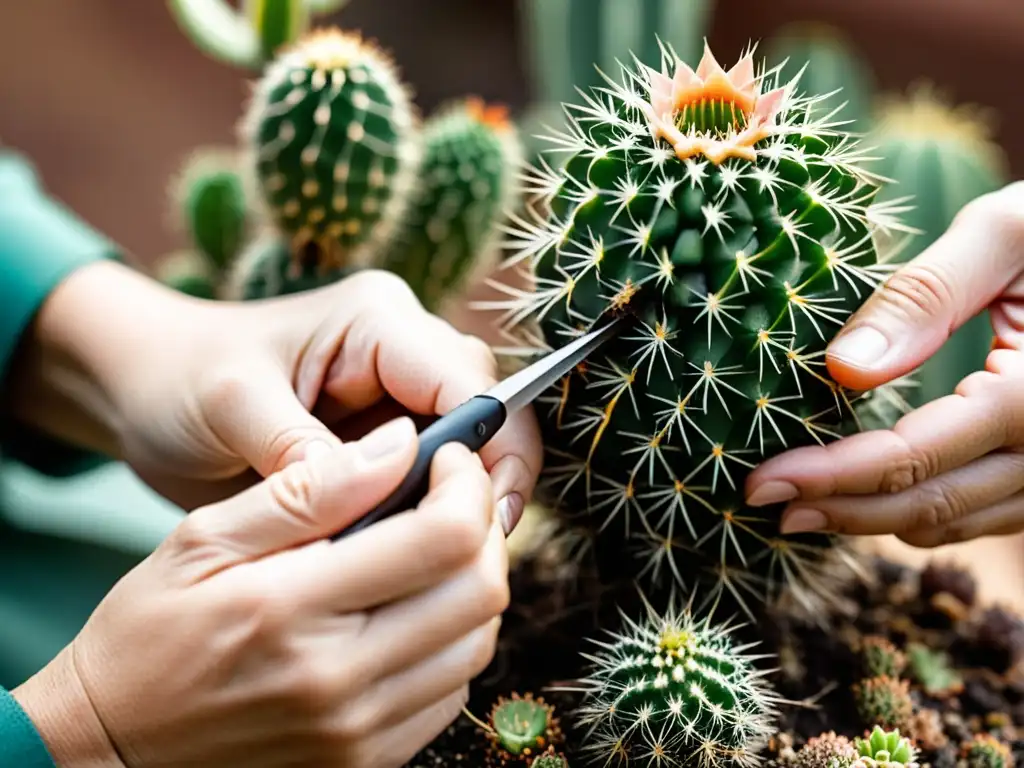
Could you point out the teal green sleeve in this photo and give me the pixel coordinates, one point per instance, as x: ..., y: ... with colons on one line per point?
x: 41, y: 243
x: 20, y: 744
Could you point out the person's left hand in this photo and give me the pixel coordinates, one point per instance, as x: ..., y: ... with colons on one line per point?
x: 953, y: 469
x: 223, y: 393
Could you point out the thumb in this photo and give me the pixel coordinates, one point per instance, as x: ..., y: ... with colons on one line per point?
x: 918, y: 308
x: 259, y: 417
x: 305, y: 502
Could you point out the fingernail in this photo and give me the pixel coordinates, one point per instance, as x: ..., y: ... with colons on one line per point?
x: 862, y: 347
x: 803, y: 521
x: 772, y: 492
x: 510, y: 509
x: 317, y: 450
x: 387, y: 439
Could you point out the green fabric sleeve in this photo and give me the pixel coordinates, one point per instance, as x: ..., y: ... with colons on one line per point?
x: 41, y: 243
x: 20, y: 743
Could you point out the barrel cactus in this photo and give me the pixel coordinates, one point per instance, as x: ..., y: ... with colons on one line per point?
x: 675, y: 687
x: 738, y: 226
x: 331, y: 134
x: 464, y: 185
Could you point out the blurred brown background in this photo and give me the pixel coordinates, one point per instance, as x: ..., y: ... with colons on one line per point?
x: 108, y: 96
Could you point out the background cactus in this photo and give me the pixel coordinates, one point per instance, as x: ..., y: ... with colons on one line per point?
x: 884, y: 700
x: 828, y: 750
x: 881, y: 657
x: 740, y: 228
x: 464, y: 186
x: 885, y: 749
x: 266, y: 269
x: 670, y: 684
x: 249, y: 37
x: 984, y: 751
x: 331, y: 136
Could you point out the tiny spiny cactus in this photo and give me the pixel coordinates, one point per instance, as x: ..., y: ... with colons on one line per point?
x: 985, y: 751
x: 464, y: 185
x: 520, y: 728
x: 884, y: 700
x: 550, y: 759
x: 674, y: 686
x: 881, y: 657
x: 828, y: 750
x: 885, y: 749
x: 330, y: 132
x: 738, y: 227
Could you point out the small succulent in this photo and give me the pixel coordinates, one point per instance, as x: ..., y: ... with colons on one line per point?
x: 550, y: 759
x: 881, y: 657
x: 885, y: 749
x: 884, y: 700
x: 932, y: 670
x: 985, y: 751
x: 520, y: 728
x: 827, y: 750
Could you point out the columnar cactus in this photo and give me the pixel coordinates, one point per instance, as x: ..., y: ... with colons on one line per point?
x: 464, y: 186
x: 738, y: 227
x: 331, y: 134
x: 672, y: 686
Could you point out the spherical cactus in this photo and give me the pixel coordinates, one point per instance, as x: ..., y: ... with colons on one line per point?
x: 885, y: 749
x: 884, y: 701
x: 881, y: 657
x: 985, y: 751
x: 520, y: 728
x: 550, y: 759
x: 465, y: 183
x: 941, y: 157
x: 739, y: 229
x: 828, y: 750
x: 267, y: 268
x: 211, y: 196
x: 330, y: 130
x: 674, y: 686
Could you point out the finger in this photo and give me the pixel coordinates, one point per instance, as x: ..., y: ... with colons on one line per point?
x: 1004, y: 518
x: 397, y: 745
x: 400, y: 696
x: 304, y: 502
x: 936, y: 503
x: 256, y: 414
x: 937, y: 437
x: 409, y: 552
x: 426, y: 365
x: 401, y: 634
x: 917, y: 309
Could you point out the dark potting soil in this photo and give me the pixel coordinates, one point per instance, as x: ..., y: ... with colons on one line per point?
x: 551, y: 621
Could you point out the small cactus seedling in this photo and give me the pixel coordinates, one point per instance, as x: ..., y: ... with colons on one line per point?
x: 985, y: 751
x: 738, y: 226
x: 672, y: 686
x: 213, y: 203
x: 829, y: 750
x: 884, y: 700
x: 520, y: 728
x: 881, y: 657
x: 330, y: 132
x: 885, y: 749
x: 465, y: 183
x: 550, y: 759
x: 932, y: 670
x: 249, y: 37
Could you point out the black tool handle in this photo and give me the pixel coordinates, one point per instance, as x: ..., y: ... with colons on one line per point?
x: 473, y: 424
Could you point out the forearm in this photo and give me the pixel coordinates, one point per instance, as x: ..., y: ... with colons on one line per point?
x: 77, y: 359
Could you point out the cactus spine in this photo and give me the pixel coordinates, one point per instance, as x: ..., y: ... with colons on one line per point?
x: 330, y: 130
x: 465, y: 184
x: 740, y: 228
x: 674, y: 686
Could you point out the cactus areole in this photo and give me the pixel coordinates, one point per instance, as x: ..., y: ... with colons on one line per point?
x: 738, y: 222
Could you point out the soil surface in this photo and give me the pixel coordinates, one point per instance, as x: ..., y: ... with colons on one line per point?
x: 551, y: 621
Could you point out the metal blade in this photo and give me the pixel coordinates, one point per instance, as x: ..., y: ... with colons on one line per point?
x: 524, y: 387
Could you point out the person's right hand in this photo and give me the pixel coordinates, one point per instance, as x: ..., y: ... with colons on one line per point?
x: 248, y: 639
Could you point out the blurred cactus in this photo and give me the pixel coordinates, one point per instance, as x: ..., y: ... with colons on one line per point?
x: 932, y: 670
x: 465, y: 183
x: 249, y: 37
x: 266, y: 269
x: 331, y: 135
x: 521, y: 728
x: 885, y: 749
x: 188, y: 272
x: 985, y: 751
x: 881, y: 657
x: 830, y: 65
x: 941, y: 157
x: 827, y: 750
x: 884, y: 700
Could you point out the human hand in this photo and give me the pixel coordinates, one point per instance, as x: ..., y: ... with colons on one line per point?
x: 247, y: 639
x: 953, y: 469
x: 208, y: 397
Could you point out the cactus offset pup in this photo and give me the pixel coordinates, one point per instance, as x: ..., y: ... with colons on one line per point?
x: 746, y: 222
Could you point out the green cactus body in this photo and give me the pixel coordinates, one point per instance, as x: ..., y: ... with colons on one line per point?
x: 830, y: 65
x: 211, y: 196
x: 940, y: 158
x: 464, y: 185
x: 885, y: 749
x: 520, y: 729
x: 739, y: 231
x: 550, y: 760
x: 190, y: 273
x: 985, y: 751
x: 932, y: 670
x: 266, y: 269
x: 277, y: 23
x: 881, y: 657
x: 884, y: 700
x: 676, y: 686
x: 330, y: 132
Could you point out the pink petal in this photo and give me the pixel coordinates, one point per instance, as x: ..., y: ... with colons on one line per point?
x: 769, y: 104
x: 684, y: 77
x: 742, y: 75
x: 708, y: 64
x: 661, y: 93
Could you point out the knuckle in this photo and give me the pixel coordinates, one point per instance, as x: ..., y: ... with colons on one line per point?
x: 494, y: 593
x: 295, y: 491
x: 1000, y: 211
x: 976, y: 383
x: 359, y: 719
x: 938, y: 506
x: 384, y: 287
x: 197, y: 531
x: 461, y: 532
x: 481, y: 352
x: 919, y: 287
x: 485, y: 645
x: 904, y: 471
x: 227, y: 385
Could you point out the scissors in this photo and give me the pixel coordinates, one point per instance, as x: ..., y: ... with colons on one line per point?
x: 478, y: 419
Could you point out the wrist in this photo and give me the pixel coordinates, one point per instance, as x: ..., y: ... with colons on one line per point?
x: 60, y: 710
